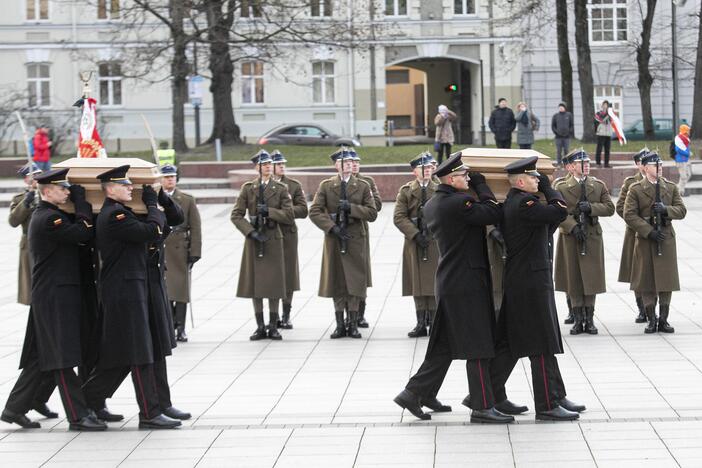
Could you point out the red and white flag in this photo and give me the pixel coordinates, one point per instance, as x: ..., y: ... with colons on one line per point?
x: 617, y: 126
x: 89, y: 142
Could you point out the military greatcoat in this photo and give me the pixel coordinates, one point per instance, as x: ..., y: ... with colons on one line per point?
x: 649, y: 271
x: 378, y: 206
x: 629, y: 234
x: 263, y: 277
x: 417, y: 274
x: 344, y: 274
x: 20, y: 215
x: 292, y: 266
x: 578, y: 274
x: 185, y: 240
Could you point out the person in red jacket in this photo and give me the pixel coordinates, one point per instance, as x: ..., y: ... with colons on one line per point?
x: 42, y: 149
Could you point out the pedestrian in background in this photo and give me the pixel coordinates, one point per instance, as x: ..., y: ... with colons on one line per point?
x: 42, y: 149
x: 527, y: 124
x: 444, y: 132
x: 682, y: 157
x: 604, y: 133
x: 562, y: 125
x: 502, y: 123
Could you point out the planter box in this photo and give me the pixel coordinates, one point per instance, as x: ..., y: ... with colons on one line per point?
x: 84, y: 171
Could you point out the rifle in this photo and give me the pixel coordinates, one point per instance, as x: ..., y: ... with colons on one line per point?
x: 25, y: 136
x: 260, y: 219
x: 341, y: 218
x: 582, y: 217
x: 657, y: 217
x: 421, y: 225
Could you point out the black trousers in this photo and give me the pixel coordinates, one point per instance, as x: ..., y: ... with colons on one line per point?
x: 545, y: 377
x: 524, y: 145
x: 103, y: 383
x: 603, y: 143
x: 179, y: 311
x: 444, y: 150
x: 430, y: 375
x: 32, y: 386
x: 69, y: 386
x: 503, y: 142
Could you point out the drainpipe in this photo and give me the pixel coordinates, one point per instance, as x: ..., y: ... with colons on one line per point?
x: 351, y: 75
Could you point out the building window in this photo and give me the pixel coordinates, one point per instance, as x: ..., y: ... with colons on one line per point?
x: 396, y: 7
x: 108, y: 9
x: 321, y: 7
x: 463, y: 7
x: 608, y: 20
x: 613, y: 94
x: 252, y: 83
x: 323, y: 82
x: 397, y: 76
x: 110, y: 79
x: 37, y: 10
x: 38, y: 85
x: 250, y: 8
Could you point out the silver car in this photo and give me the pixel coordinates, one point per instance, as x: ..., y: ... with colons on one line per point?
x: 305, y: 134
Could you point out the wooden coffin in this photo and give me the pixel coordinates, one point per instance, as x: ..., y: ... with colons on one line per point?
x: 84, y: 171
x: 491, y: 162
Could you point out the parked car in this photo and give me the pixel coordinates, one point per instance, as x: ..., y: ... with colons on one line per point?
x: 663, y: 130
x: 305, y: 134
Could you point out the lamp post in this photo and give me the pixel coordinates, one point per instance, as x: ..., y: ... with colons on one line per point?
x: 674, y: 67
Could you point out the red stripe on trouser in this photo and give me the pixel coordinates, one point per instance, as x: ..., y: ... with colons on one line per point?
x: 141, y: 390
x: 482, y: 384
x: 153, y: 379
x: 67, y: 396
x: 543, y: 372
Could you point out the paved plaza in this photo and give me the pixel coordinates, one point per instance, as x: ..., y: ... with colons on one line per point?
x: 309, y: 401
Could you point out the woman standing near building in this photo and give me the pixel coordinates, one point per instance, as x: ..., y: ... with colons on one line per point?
x: 527, y: 124
x: 604, y: 133
x: 444, y: 132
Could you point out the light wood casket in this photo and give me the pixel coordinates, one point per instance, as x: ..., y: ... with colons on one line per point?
x: 84, y: 171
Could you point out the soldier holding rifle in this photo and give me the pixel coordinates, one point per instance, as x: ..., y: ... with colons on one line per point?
x: 420, y: 255
x: 580, y: 269
x: 651, y: 205
x: 262, y: 272
x: 340, y: 207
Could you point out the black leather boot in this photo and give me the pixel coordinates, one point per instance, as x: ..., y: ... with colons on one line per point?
x: 652, y: 320
x: 87, y: 424
x: 557, y: 414
x: 571, y: 406
x: 285, y: 322
x: 420, y: 329
x: 174, y: 413
x: 589, y: 326
x: 570, y: 320
x: 105, y: 415
x: 641, y: 318
x: 273, y: 332
x: 44, y: 410
x: 180, y: 334
x: 578, y: 324
x: 435, y: 405
x: 663, y: 325
x: 260, y: 333
x: 20, y: 419
x: 410, y: 402
x: 340, y: 331
x: 159, y: 422
x: 490, y: 416
x: 362, y: 315
x: 353, y: 325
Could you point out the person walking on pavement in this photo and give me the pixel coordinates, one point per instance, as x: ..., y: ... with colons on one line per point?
x: 420, y: 254
x: 444, y: 132
x: 183, y: 248
x: 340, y: 207
x: 682, y: 157
x: 263, y: 272
x: 580, y: 268
x: 292, y: 267
x: 563, y: 128
x: 502, y: 123
x: 604, y: 133
x: 654, y: 267
x: 527, y: 124
x: 53, y: 340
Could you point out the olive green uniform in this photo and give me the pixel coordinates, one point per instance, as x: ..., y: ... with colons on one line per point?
x: 628, y: 245
x: 378, y: 206
x: 20, y: 215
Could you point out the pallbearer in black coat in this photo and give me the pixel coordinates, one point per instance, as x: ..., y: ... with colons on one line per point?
x: 528, y: 324
x: 464, y: 321
x: 53, y: 340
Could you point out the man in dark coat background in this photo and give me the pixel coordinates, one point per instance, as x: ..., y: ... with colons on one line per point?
x: 502, y: 123
x: 464, y: 322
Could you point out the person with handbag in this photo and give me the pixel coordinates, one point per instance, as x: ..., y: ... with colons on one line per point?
x: 444, y: 132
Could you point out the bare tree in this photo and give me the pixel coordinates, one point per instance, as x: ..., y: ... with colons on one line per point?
x: 697, y: 100
x: 582, y: 44
x: 643, y: 59
x: 564, y: 53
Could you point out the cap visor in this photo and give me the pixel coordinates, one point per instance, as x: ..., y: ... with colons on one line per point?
x: 122, y: 182
x: 63, y: 183
x: 533, y: 173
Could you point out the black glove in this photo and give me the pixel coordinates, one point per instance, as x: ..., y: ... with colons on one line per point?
x: 163, y: 199
x: 192, y: 260
x: 476, y: 178
x: 340, y: 233
x: 656, y: 236
x: 29, y: 198
x: 544, y: 183
x: 585, y: 207
x: 77, y: 193
x: 421, y: 240
x: 345, y: 205
x: 262, y: 209
x: 579, y: 233
x: 660, y: 208
x: 258, y: 236
x: 149, y: 196
x: 497, y: 236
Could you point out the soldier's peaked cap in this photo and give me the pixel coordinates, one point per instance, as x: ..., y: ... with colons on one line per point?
x: 55, y: 177
x: 576, y: 156
x: 169, y: 170
x: 424, y: 159
x: 643, y: 152
x: 650, y: 158
x: 451, y: 165
x: 118, y: 175
x: 29, y: 168
x: 341, y: 153
x: 278, y: 157
x: 262, y: 157
x: 523, y: 166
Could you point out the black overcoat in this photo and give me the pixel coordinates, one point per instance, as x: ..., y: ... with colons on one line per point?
x: 54, y: 325
x: 528, y: 318
x: 465, y: 313
x: 123, y: 241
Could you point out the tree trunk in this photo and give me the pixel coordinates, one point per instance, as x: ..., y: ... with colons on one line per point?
x: 697, y: 100
x: 582, y: 44
x: 179, y: 75
x: 564, y: 53
x: 643, y: 58
x: 221, y: 67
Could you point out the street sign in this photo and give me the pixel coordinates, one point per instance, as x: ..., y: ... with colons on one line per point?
x: 195, y: 93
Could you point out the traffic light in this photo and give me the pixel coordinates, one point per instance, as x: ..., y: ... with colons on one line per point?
x: 451, y: 88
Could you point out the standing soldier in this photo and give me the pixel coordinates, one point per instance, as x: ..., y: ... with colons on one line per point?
x: 362, y: 323
x: 630, y: 234
x: 262, y: 272
x: 21, y: 209
x: 340, y: 207
x: 183, y: 250
x: 292, y: 267
x: 580, y: 269
x: 420, y: 255
x: 651, y: 204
